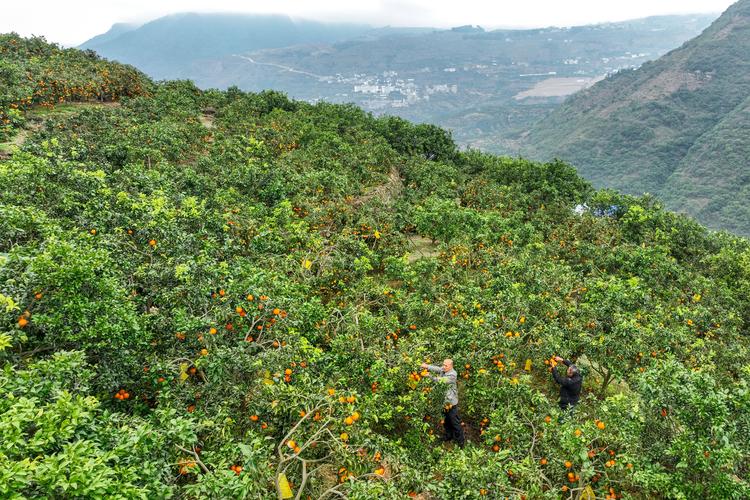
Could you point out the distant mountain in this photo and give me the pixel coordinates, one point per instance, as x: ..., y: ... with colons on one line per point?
x: 115, y: 31
x: 165, y: 47
x: 678, y: 127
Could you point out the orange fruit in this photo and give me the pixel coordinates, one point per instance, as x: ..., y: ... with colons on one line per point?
x: 254, y: 418
x: 568, y: 465
x: 348, y: 420
x: 543, y: 461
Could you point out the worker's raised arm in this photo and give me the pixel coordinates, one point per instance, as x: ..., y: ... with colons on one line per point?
x: 433, y: 368
x: 566, y: 362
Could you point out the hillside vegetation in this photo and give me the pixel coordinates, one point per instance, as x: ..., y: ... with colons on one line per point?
x: 201, y: 290
x: 34, y: 73
x: 676, y: 127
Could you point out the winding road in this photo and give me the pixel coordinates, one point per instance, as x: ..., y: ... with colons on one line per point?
x: 286, y: 68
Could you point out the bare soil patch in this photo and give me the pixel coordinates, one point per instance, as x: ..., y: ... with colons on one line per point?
x: 557, y: 87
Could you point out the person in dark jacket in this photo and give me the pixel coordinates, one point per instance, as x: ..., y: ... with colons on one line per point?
x: 570, y: 385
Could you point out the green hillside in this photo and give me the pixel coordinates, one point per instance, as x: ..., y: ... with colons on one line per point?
x: 35, y: 74
x: 650, y: 130
x: 201, y: 291
x: 712, y: 182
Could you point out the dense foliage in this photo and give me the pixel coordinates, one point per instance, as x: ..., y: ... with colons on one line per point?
x: 676, y: 127
x: 202, y: 290
x: 36, y: 73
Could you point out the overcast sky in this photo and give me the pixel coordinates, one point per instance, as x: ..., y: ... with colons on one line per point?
x: 71, y: 22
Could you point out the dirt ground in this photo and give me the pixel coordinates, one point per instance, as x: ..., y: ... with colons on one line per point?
x: 557, y: 87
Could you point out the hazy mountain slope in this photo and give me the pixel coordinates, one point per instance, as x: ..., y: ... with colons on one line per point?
x: 633, y: 131
x: 712, y: 182
x: 522, y: 47
x: 166, y: 46
x: 115, y: 31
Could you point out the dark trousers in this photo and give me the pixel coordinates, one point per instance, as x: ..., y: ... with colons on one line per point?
x: 452, y: 424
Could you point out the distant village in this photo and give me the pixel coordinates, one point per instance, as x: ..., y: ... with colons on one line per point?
x: 387, y: 90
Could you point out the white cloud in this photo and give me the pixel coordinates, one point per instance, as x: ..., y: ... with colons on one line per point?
x: 74, y: 21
